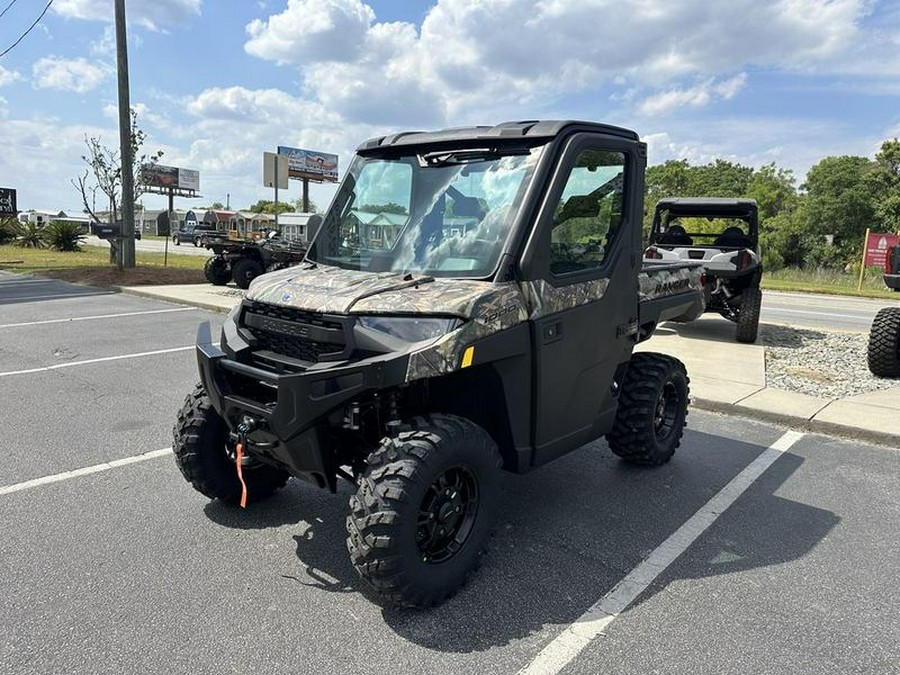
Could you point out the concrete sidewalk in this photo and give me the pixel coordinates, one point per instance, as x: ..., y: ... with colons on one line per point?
x: 726, y: 376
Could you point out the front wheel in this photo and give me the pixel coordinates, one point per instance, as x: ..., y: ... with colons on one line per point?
x: 176, y: 240
x: 653, y: 407
x: 423, y: 510
x: 207, y: 458
x: 883, y: 355
x: 244, y: 271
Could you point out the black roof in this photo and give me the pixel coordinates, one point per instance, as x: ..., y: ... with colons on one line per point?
x: 508, y: 131
x: 708, y: 206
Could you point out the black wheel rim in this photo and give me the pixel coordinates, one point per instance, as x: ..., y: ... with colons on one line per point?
x: 666, y: 414
x: 447, y: 514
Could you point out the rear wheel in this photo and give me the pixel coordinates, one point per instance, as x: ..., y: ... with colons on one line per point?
x: 748, y: 317
x: 207, y: 458
x: 884, y: 343
x: 216, y: 271
x: 423, y: 510
x: 653, y: 407
x: 244, y: 271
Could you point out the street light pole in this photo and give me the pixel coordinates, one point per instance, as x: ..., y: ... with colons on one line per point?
x: 126, y: 248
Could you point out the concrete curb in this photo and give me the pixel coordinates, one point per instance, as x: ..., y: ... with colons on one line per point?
x: 136, y: 291
x: 800, y: 423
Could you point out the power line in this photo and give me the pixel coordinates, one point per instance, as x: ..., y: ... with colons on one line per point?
x: 30, y: 28
x: 12, y: 2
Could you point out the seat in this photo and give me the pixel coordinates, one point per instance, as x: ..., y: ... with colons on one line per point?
x: 733, y: 237
x: 675, y: 236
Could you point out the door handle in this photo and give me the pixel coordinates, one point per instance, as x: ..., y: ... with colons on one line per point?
x: 552, y: 332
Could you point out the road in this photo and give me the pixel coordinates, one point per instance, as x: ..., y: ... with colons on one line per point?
x: 155, y: 246
x: 112, y: 563
x: 822, y: 311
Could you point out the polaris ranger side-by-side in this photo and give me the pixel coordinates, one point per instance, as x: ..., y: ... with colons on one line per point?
x: 729, y: 254
x: 470, y: 304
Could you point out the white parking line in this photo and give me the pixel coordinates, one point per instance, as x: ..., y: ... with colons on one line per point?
x: 569, y: 644
x: 72, y: 364
x: 97, y: 468
x: 99, y: 316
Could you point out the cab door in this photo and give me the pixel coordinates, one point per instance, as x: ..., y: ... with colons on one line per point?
x: 580, y: 280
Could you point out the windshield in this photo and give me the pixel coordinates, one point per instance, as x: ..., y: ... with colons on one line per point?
x: 443, y: 214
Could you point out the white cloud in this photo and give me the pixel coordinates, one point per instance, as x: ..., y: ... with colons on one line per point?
x: 8, y: 76
x: 697, y: 96
x: 78, y: 75
x: 514, y: 55
x: 105, y: 45
x: 309, y: 31
x: 152, y: 14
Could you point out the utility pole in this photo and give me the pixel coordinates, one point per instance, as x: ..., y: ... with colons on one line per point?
x: 126, y: 248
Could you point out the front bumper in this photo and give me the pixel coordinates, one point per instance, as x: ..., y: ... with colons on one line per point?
x: 291, y: 410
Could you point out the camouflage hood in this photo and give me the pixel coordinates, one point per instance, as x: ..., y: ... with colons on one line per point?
x: 333, y: 290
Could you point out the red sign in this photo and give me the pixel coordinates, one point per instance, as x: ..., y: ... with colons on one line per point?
x: 877, y: 246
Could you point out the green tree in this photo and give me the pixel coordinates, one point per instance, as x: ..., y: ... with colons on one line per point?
x: 839, y: 199
x: 884, y: 181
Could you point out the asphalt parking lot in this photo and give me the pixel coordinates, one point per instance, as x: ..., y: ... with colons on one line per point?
x: 125, y: 569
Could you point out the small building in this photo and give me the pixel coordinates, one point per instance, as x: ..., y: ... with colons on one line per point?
x: 249, y: 225
x: 42, y: 217
x: 300, y: 226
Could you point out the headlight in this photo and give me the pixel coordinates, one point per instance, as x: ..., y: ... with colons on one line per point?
x: 410, y: 328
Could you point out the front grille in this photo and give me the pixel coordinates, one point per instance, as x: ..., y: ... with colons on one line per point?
x: 294, y: 333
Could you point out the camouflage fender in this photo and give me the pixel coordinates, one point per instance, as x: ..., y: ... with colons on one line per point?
x: 495, y: 308
x: 662, y: 282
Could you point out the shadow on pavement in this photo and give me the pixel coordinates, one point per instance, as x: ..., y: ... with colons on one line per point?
x: 35, y: 289
x: 565, y: 535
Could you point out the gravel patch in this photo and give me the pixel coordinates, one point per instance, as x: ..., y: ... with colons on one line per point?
x: 819, y: 363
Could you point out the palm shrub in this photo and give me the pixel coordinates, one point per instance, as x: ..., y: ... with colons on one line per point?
x: 63, y: 235
x: 30, y: 235
x: 9, y: 228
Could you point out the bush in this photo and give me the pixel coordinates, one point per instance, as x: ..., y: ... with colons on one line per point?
x: 30, y: 235
x: 9, y: 229
x: 64, y: 236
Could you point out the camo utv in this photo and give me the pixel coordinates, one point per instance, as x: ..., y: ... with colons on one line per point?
x: 470, y: 304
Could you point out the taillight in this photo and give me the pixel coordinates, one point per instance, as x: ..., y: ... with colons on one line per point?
x: 745, y: 259
x: 652, y: 254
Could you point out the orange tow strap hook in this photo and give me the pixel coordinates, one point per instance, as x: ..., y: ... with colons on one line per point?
x: 240, y: 473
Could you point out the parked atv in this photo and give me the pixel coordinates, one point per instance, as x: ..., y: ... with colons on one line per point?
x: 243, y: 261
x: 486, y: 321
x: 884, y: 343
x: 730, y: 255
x: 892, y: 268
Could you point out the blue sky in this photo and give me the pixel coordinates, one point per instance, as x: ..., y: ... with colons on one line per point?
x: 218, y: 83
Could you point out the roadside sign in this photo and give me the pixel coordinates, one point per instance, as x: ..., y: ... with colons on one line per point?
x: 877, y: 245
x: 275, y: 169
x: 310, y: 164
x: 8, y: 203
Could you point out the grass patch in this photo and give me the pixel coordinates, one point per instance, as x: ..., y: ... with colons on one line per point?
x: 91, y: 266
x: 829, y: 282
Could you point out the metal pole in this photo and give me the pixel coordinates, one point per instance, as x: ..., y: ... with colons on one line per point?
x: 126, y: 257
x: 169, y: 234
x: 276, y: 193
x: 305, y: 195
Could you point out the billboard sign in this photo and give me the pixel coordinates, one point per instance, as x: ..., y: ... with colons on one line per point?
x: 8, y: 203
x: 310, y: 164
x: 877, y: 245
x: 188, y: 179
x: 161, y: 176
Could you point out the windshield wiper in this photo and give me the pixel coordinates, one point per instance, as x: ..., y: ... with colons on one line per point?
x: 451, y: 157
